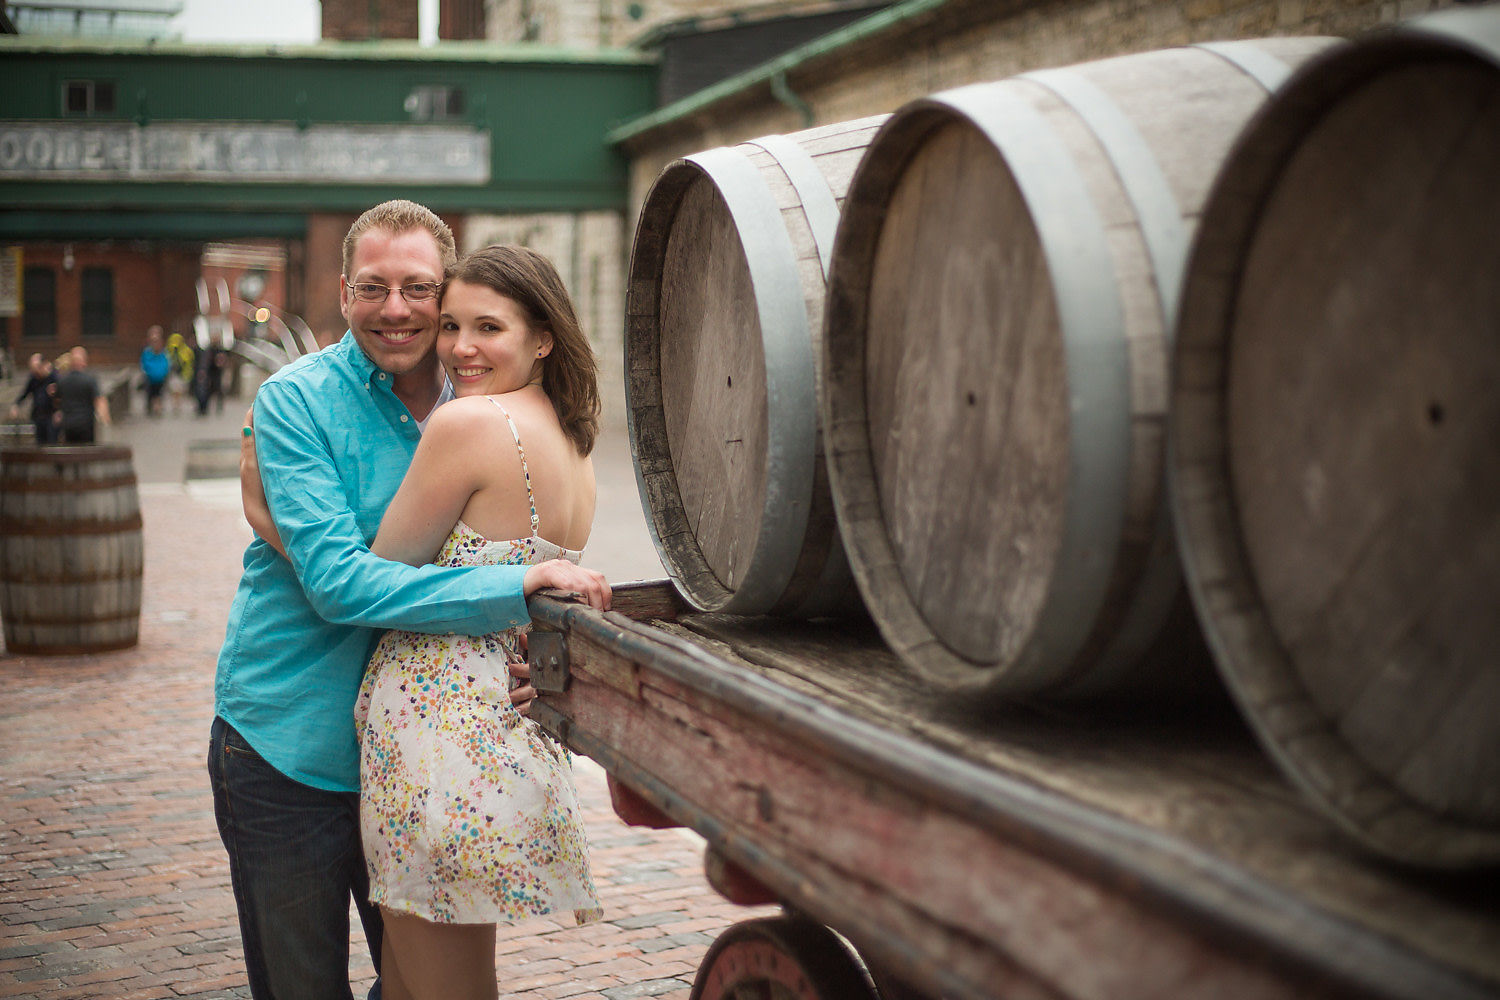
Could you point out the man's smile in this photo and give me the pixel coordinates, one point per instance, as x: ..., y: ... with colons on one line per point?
x: 396, y: 336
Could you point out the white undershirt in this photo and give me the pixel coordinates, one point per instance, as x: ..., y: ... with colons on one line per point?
x: 443, y: 397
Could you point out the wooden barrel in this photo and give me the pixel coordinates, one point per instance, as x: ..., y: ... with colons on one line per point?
x: 70, y: 549
x: 725, y: 304
x: 995, y: 362
x: 1335, y: 424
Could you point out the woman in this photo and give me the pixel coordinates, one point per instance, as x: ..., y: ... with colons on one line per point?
x: 155, y: 367
x: 468, y: 812
x: 180, y: 375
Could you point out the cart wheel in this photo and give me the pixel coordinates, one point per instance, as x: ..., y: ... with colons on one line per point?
x: 780, y: 958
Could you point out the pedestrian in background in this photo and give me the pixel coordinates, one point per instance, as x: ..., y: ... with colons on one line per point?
x: 155, y: 366
x: 180, y: 372
x: 208, y: 379
x: 41, y: 389
x: 80, y: 404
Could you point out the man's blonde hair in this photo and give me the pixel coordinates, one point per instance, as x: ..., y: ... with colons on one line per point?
x: 400, y: 216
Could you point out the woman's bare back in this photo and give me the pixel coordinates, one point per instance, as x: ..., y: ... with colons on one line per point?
x: 562, y: 481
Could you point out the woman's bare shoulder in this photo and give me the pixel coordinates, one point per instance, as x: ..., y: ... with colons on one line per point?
x: 462, y: 415
x: 459, y: 427
x: 533, y: 414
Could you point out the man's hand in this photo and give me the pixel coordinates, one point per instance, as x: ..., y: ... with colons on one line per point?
x: 559, y: 574
x: 252, y: 492
x: 522, y: 697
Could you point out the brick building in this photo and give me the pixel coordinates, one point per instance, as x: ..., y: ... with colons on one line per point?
x: 368, y: 20
x: 128, y: 172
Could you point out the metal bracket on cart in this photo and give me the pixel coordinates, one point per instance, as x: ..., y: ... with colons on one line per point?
x: 547, y: 652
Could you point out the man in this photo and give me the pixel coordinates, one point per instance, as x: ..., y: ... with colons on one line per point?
x: 80, y: 404
x: 41, y: 389
x: 155, y: 366
x: 208, y: 379
x: 333, y: 435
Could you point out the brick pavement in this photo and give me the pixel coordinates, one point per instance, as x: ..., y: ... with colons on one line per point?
x: 112, y: 879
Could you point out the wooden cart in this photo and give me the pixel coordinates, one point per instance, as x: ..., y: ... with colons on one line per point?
x: 965, y: 852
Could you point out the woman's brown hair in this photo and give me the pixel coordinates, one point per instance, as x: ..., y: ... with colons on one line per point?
x: 570, y: 375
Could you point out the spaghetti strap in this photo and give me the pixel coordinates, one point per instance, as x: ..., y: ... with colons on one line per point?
x: 530, y: 496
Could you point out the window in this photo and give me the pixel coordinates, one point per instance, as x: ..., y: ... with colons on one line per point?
x: 435, y: 103
x: 88, y: 97
x: 98, y: 302
x: 39, y: 305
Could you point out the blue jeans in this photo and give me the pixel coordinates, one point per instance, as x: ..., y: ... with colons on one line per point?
x: 294, y: 861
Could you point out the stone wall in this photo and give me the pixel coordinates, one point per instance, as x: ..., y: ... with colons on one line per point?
x: 982, y: 40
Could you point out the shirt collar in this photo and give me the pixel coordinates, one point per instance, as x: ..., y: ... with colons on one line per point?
x: 367, y: 372
x: 358, y: 359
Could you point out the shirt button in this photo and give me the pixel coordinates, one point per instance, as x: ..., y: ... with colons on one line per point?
x: 403, y: 418
x: 381, y: 376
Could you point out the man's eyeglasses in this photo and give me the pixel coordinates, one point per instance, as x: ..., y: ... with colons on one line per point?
x: 417, y: 291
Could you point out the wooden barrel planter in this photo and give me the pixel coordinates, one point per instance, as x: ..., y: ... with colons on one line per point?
x: 70, y: 549
x: 1334, y: 429
x: 994, y: 363
x: 725, y: 304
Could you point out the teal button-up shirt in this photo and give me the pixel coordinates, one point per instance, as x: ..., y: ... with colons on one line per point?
x: 333, y: 443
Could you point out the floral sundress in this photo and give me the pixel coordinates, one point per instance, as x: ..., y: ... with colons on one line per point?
x: 467, y: 809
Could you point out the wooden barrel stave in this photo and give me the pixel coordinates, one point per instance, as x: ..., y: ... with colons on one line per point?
x: 1068, y: 571
x: 721, y: 384
x: 84, y: 599
x: 66, y: 559
x: 1333, y: 476
x: 719, y: 473
x: 71, y: 552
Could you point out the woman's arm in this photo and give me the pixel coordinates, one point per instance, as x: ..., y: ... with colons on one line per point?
x: 446, y: 470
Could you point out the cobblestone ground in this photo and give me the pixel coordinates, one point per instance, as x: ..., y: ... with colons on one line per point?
x: 113, y: 882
